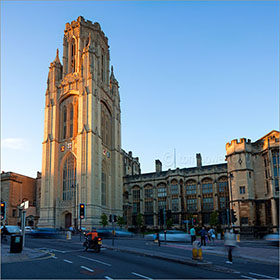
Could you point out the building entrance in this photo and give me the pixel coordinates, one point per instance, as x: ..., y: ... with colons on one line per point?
x: 68, y: 220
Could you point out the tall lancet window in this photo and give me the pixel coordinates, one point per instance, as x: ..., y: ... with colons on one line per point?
x: 69, y: 177
x: 73, y: 55
x: 71, y: 120
x: 103, y: 184
x: 64, y: 122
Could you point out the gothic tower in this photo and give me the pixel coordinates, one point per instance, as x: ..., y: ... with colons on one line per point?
x: 81, y: 160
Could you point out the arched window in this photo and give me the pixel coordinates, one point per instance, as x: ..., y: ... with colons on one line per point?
x: 106, y: 125
x: 191, y: 195
x: 148, y: 199
x: 69, y: 177
x: 64, y: 122
x: 135, y: 200
x: 73, y: 56
x: 223, y: 192
x: 71, y: 120
x: 103, y: 184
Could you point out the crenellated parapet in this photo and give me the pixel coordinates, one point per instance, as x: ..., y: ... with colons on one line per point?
x: 235, y: 146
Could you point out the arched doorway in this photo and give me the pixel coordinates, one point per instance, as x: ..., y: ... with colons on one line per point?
x: 68, y: 220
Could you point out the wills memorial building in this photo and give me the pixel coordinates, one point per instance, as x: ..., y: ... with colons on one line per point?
x: 81, y: 160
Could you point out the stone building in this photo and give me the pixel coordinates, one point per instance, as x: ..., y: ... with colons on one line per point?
x: 131, y: 165
x: 254, y: 169
x: 81, y: 159
x: 197, y: 191
x: 17, y: 188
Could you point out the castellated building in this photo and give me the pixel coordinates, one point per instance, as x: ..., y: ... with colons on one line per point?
x: 248, y: 184
x: 82, y: 158
x: 253, y: 170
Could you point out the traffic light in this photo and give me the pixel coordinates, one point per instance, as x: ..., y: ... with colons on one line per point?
x: 3, y: 210
x: 193, y: 221
x: 168, y: 214
x: 112, y: 218
x: 233, y: 216
x: 82, y: 210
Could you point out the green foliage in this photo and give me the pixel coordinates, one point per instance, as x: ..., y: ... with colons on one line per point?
x: 214, y: 218
x: 120, y: 221
x: 104, y: 220
x: 169, y: 223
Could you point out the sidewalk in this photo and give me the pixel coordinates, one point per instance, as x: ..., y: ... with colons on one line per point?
x: 183, y: 252
x: 26, y: 254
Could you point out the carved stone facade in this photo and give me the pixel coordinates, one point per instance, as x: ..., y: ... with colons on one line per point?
x: 255, y: 180
x: 197, y: 191
x: 82, y: 161
x: 16, y: 188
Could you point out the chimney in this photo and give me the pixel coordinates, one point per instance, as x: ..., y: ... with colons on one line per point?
x: 158, y: 166
x: 198, y: 160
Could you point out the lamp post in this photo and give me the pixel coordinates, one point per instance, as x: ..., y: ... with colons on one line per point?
x: 230, y: 203
x: 75, y: 187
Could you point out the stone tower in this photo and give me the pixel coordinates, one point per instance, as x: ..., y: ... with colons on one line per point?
x: 81, y: 160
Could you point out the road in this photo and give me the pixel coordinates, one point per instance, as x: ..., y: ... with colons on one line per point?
x: 69, y: 261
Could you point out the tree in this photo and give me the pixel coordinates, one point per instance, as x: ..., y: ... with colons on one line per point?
x: 120, y: 221
x: 139, y: 220
x: 104, y: 220
x: 169, y: 223
x: 214, y: 218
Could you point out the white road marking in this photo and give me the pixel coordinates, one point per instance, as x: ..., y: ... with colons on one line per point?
x: 93, y: 260
x: 248, y: 277
x: 109, y: 278
x: 67, y: 261
x: 50, y: 249
x: 261, y: 275
x: 140, y: 275
x: 86, y: 268
x: 54, y: 257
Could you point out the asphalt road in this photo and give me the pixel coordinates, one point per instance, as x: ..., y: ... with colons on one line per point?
x: 69, y: 261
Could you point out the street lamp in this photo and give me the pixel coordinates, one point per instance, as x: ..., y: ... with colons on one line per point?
x: 75, y: 187
x: 230, y: 203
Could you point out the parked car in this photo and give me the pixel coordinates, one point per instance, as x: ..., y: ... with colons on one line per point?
x: 272, y: 238
x: 12, y: 230
x: 171, y: 235
x: 28, y: 229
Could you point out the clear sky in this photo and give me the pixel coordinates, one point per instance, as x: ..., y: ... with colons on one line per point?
x: 193, y: 75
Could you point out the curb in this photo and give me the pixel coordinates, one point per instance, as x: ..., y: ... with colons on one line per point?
x: 200, y: 264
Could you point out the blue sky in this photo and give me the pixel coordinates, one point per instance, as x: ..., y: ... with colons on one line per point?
x: 193, y: 75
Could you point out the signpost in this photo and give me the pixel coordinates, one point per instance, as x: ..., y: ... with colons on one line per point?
x: 23, y: 206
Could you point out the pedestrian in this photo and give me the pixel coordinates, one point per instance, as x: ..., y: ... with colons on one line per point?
x: 193, y: 234
x: 212, y: 234
x: 203, y: 234
x: 230, y: 243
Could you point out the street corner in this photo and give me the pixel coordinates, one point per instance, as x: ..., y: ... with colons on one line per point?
x: 27, y: 254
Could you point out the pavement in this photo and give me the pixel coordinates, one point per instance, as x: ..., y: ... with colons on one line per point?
x: 171, y: 251
x: 26, y: 254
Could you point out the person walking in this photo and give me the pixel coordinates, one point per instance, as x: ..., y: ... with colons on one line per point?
x: 193, y: 234
x: 230, y: 243
x: 203, y: 233
x: 212, y: 235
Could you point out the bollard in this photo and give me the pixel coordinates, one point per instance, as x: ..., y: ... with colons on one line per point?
x: 68, y: 235
x: 196, y: 251
x: 238, y: 237
x: 200, y: 254
x: 194, y: 254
